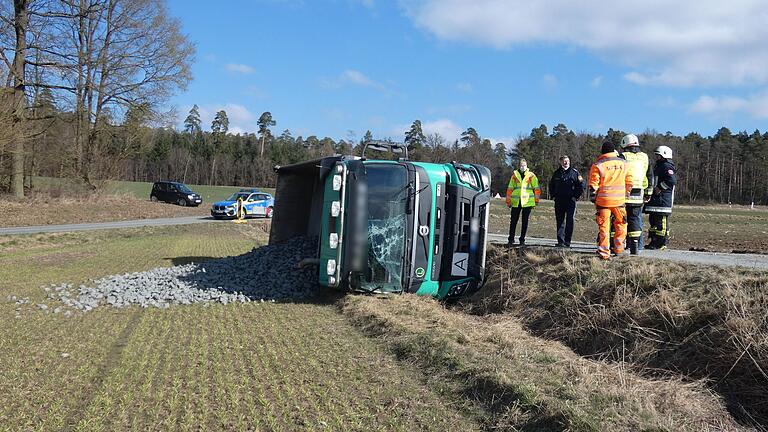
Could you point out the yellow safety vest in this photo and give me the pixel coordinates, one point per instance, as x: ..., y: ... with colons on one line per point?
x: 637, y: 163
x: 523, y: 189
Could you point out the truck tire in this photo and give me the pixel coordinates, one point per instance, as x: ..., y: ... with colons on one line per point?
x: 153, y: 198
x: 182, y: 202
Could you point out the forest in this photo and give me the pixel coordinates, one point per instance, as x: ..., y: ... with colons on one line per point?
x: 86, y: 98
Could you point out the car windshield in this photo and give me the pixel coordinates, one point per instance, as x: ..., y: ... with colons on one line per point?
x: 236, y: 195
x: 387, y: 186
x: 183, y: 188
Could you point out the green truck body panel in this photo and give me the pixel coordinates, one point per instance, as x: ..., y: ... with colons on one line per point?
x: 388, y: 226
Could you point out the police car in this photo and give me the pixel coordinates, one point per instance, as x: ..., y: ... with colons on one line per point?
x: 255, y: 203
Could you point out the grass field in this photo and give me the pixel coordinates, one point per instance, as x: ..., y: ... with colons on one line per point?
x: 255, y: 366
x: 357, y: 363
x: 711, y: 228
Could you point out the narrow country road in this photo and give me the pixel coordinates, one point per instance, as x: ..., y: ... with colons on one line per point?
x: 186, y: 220
x: 752, y: 261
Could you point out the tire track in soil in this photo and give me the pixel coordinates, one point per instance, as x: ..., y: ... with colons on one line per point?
x: 111, y: 361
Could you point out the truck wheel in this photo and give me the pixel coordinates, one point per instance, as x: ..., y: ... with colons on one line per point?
x: 153, y: 198
x: 268, y: 212
x: 182, y: 202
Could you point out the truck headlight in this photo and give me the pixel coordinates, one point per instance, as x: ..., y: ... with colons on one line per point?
x: 335, y: 209
x: 330, y: 268
x: 337, y: 182
x: 333, y: 240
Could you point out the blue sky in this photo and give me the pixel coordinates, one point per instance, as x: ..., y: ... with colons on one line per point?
x: 328, y: 67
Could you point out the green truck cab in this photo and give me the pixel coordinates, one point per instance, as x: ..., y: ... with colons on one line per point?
x: 388, y: 226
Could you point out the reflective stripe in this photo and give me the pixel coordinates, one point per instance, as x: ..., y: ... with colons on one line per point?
x: 613, y: 187
x: 667, y: 210
x: 604, y: 248
x: 634, y: 234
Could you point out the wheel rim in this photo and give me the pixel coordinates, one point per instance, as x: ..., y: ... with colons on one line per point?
x: 182, y: 202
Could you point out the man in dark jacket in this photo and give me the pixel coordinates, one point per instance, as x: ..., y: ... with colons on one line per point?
x: 565, y: 187
x: 660, y: 205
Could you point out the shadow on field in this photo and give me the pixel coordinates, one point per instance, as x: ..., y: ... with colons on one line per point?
x: 177, y: 261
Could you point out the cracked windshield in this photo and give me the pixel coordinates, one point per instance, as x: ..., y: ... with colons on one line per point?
x: 388, y: 185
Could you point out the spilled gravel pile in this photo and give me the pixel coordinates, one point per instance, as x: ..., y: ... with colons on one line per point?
x: 268, y: 273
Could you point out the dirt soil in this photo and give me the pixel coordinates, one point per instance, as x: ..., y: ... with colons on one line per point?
x: 45, y: 210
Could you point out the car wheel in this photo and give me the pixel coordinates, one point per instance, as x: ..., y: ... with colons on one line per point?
x: 153, y: 198
x: 269, y: 212
x: 182, y: 202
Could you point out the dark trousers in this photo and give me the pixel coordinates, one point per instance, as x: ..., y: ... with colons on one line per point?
x: 659, y: 230
x: 635, y: 227
x: 565, y: 210
x: 526, y: 211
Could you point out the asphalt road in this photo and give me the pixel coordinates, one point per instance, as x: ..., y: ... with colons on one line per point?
x: 107, y: 225
x: 752, y: 261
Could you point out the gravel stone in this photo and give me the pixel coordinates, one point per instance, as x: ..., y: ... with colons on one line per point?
x: 268, y: 273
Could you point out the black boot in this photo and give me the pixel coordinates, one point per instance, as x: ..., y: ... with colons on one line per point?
x: 633, y: 245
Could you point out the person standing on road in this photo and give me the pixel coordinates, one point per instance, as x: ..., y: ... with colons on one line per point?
x: 609, y: 184
x: 637, y: 162
x: 523, y: 194
x: 660, y: 205
x: 565, y: 187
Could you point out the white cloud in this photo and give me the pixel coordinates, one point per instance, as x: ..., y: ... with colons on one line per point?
x: 241, y: 119
x: 352, y: 77
x: 682, y: 43
x: 357, y: 77
x: 755, y: 106
x: 239, y: 68
x: 549, y: 82
x: 597, y: 81
x: 447, y: 129
x: 465, y: 87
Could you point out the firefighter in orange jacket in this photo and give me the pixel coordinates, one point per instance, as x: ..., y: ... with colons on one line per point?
x: 610, y: 182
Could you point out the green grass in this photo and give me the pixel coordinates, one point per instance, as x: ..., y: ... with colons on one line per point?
x: 138, y: 189
x: 210, y: 194
x: 257, y: 366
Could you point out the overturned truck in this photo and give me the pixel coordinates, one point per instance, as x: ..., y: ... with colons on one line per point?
x: 388, y: 226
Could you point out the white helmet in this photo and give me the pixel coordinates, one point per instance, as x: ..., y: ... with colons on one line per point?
x: 630, y: 141
x: 664, y: 152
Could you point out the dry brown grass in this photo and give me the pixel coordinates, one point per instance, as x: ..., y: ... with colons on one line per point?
x: 48, y: 208
x: 664, y: 319
x: 521, y: 382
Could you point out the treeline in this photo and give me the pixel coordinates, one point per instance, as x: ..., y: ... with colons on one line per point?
x: 724, y: 168
x: 83, y: 79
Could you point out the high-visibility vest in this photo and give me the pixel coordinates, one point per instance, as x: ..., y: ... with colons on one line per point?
x: 638, y: 168
x: 523, y: 189
x: 610, y: 180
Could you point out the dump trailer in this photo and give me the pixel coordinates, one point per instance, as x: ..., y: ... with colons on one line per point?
x: 388, y: 226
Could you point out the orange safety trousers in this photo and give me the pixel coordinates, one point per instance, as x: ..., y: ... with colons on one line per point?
x: 603, y: 219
